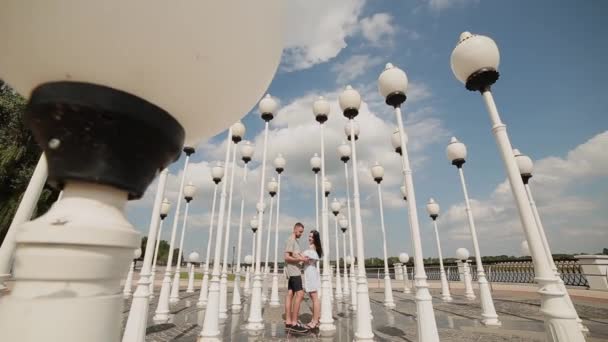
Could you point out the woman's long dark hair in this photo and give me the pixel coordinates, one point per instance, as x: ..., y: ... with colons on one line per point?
x: 316, y: 240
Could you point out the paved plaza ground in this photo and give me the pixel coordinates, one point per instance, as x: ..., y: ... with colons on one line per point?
x: 518, y: 309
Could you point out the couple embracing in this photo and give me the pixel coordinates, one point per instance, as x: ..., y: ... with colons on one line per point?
x: 295, y: 259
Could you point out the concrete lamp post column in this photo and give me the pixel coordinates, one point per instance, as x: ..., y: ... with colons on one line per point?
x: 279, y: 166
x: 189, y: 191
x: 253, y: 223
x: 462, y: 254
x: 378, y: 174
x: 432, y: 208
x: 107, y: 133
x: 267, y: 107
x: 238, y: 131
x: 474, y: 62
x: 247, y: 150
x: 272, y: 187
x: 248, y: 260
x: 217, y: 173
x: 350, y: 101
x: 345, y: 152
x: 165, y: 207
x: 315, y: 164
x: 193, y: 259
x: 343, y: 223
x: 525, y: 167
x: 321, y: 110
x: 162, y: 309
x: 457, y: 153
x: 335, y: 209
x: 129, y: 281
x: 392, y: 85
x: 404, y: 258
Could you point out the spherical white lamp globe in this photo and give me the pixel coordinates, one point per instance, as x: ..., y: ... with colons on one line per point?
x: 404, y: 258
x: 462, y: 254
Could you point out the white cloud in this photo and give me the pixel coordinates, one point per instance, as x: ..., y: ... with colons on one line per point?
x: 378, y: 29
x: 354, y: 66
x: 439, y: 5
x: 566, y: 216
x: 317, y: 31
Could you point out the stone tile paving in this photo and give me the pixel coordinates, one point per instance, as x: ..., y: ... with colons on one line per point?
x: 457, y: 321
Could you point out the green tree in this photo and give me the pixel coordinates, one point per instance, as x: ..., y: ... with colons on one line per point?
x: 19, y: 155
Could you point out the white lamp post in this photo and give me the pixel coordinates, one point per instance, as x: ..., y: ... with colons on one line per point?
x: 462, y: 254
x: 378, y: 174
x: 392, y: 85
x: 212, y: 313
x: 238, y: 131
x: 350, y: 101
x: 24, y: 212
x: 137, y: 321
x: 165, y: 207
x: 526, y: 166
x: 193, y: 258
x: 129, y: 281
x: 345, y: 152
x: 474, y: 62
x: 253, y: 223
x: 247, y: 150
x: 343, y: 223
x: 396, y: 141
x: 217, y: 173
x: 457, y: 153
x: 321, y: 110
x: 107, y: 133
x: 267, y: 107
x: 432, y: 208
x: 335, y: 209
x: 315, y: 164
x: 279, y: 166
x: 525, y: 250
x: 162, y: 309
x: 272, y: 191
x: 189, y: 191
x: 326, y: 246
x: 404, y: 258
x: 248, y: 261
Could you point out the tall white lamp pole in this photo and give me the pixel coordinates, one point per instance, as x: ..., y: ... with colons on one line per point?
x: 193, y: 258
x: 267, y: 107
x: 392, y: 85
x: 247, y: 150
x: 526, y: 166
x: 432, y: 208
x: 474, y: 62
x: 404, y: 258
x: 162, y: 309
x: 350, y: 101
x: 378, y: 175
x: 253, y: 223
x: 238, y: 131
x: 457, y: 154
x: 248, y: 260
x: 315, y: 164
x: 321, y: 110
x: 135, y: 329
x: 272, y: 191
x: 24, y: 212
x: 462, y: 254
x: 189, y: 191
x: 279, y: 166
x: 165, y: 207
x: 217, y: 173
x: 129, y: 281
x: 335, y: 209
x: 343, y: 222
x: 212, y: 312
x: 344, y: 152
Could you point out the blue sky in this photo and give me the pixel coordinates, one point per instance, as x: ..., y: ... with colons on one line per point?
x: 550, y: 95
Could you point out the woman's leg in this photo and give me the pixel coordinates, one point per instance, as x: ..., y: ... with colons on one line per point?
x: 316, y: 307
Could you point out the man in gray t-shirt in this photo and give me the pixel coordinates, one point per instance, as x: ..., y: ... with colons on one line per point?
x: 295, y: 292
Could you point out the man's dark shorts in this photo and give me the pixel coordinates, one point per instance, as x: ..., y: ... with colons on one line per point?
x: 294, y: 283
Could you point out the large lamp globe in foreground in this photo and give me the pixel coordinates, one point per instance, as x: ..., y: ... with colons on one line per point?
x: 108, y: 123
x: 475, y: 61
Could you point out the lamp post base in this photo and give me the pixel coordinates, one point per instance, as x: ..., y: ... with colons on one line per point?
x: 274, y: 295
x: 202, y: 298
x: 255, y: 323
x: 174, y: 297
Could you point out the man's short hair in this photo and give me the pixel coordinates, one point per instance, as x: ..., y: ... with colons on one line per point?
x: 298, y: 224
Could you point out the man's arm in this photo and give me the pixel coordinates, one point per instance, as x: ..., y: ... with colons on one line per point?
x: 293, y: 259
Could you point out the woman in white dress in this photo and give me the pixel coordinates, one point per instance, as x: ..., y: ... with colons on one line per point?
x: 312, y: 278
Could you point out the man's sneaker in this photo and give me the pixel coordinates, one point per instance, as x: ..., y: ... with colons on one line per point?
x: 300, y: 329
